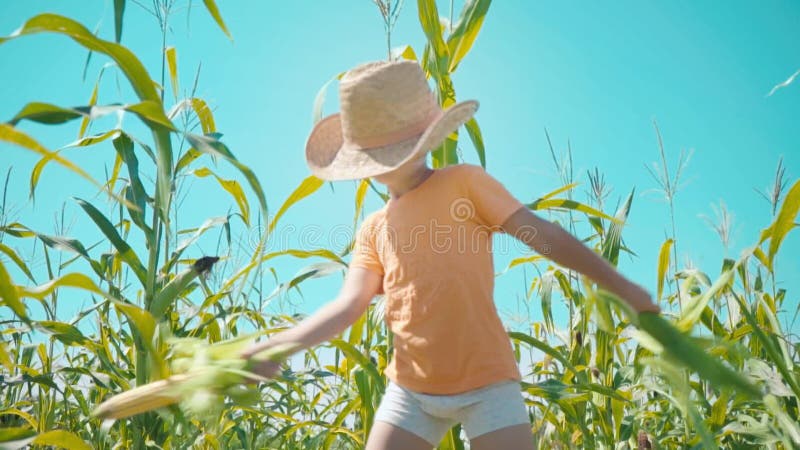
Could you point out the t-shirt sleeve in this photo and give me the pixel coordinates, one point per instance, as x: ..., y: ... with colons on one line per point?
x: 492, y: 202
x: 365, y: 252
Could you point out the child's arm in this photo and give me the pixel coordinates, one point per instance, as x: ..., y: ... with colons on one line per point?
x: 555, y: 243
x: 360, y: 286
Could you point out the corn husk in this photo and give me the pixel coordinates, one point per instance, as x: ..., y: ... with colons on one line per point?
x: 202, y: 376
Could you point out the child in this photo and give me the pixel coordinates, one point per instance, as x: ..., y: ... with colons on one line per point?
x: 429, y: 251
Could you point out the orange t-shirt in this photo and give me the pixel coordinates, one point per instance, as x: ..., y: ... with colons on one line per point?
x: 433, y: 247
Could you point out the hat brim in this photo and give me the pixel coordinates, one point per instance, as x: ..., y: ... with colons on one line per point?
x: 330, y: 158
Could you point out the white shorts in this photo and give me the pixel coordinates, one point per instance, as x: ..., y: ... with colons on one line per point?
x: 479, y: 411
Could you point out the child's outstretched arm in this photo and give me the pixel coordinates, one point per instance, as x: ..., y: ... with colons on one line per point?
x: 557, y: 244
x: 360, y: 286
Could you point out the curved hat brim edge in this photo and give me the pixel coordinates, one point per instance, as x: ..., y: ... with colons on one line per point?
x: 352, y: 163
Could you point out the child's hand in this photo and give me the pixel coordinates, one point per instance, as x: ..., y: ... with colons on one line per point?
x: 266, y: 368
x: 640, y: 300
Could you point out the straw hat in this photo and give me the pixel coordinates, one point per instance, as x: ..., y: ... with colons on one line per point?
x: 388, y: 116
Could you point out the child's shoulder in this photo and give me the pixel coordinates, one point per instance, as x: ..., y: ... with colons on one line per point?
x: 374, y: 218
x: 463, y: 173
x: 463, y: 169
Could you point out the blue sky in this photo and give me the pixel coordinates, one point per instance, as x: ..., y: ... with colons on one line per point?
x: 594, y: 75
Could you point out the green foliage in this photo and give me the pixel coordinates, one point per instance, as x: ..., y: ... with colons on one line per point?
x: 719, y: 373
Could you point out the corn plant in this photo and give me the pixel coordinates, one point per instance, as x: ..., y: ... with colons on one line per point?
x: 137, y: 292
x: 720, y: 372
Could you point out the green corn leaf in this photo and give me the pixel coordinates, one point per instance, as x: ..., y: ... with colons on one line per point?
x: 784, y: 222
x: 466, y: 30
x: 213, y: 147
x: 211, y: 6
x: 322, y: 253
x: 693, y: 309
x: 523, y: 260
x: 172, y: 64
x: 8, y: 251
x: 603, y: 390
x: 170, y: 292
x: 356, y: 334
x: 682, y: 349
x: 17, y: 229
x: 557, y: 203
x: 338, y: 421
x: 205, y: 115
x: 306, y: 188
x: 14, y: 438
x: 317, y: 270
x: 36, y: 174
x: 14, y: 136
x: 772, y: 350
x: 73, y: 280
x: 232, y: 187
x: 361, y: 194
x: 699, y: 424
x: 358, y: 358
x: 119, y: 12
x: 9, y: 296
x: 663, y: 266
x: 475, y: 135
x: 140, y: 320
x: 142, y: 83
x: 452, y: 440
x: 565, y: 188
x: 429, y: 19
x: 446, y: 154
x: 613, y: 240
x: 64, y: 243
x: 21, y: 414
x: 404, y: 52
x: 446, y: 93
x: 187, y: 158
x: 712, y: 322
x: 787, y: 423
x: 92, y: 102
x: 110, y: 232
x: 183, y: 245
x: 293, y: 252
x: 136, y: 194
x: 597, y: 226
x: 94, y: 139
x: 48, y: 114
x: 152, y: 114
x: 546, y: 293
x: 202, y: 111
x: 319, y: 99
x: 125, y: 59
x: 175, y: 287
x: 719, y: 410
x: 64, y: 332
x: 543, y: 347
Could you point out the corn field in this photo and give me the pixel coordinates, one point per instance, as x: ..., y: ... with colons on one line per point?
x: 604, y: 380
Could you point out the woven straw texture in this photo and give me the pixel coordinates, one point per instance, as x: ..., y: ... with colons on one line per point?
x: 388, y: 115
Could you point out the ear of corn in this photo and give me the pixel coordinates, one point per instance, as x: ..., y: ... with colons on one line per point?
x: 158, y: 394
x: 202, y: 375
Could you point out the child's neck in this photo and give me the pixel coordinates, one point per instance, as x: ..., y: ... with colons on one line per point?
x: 408, y: 181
